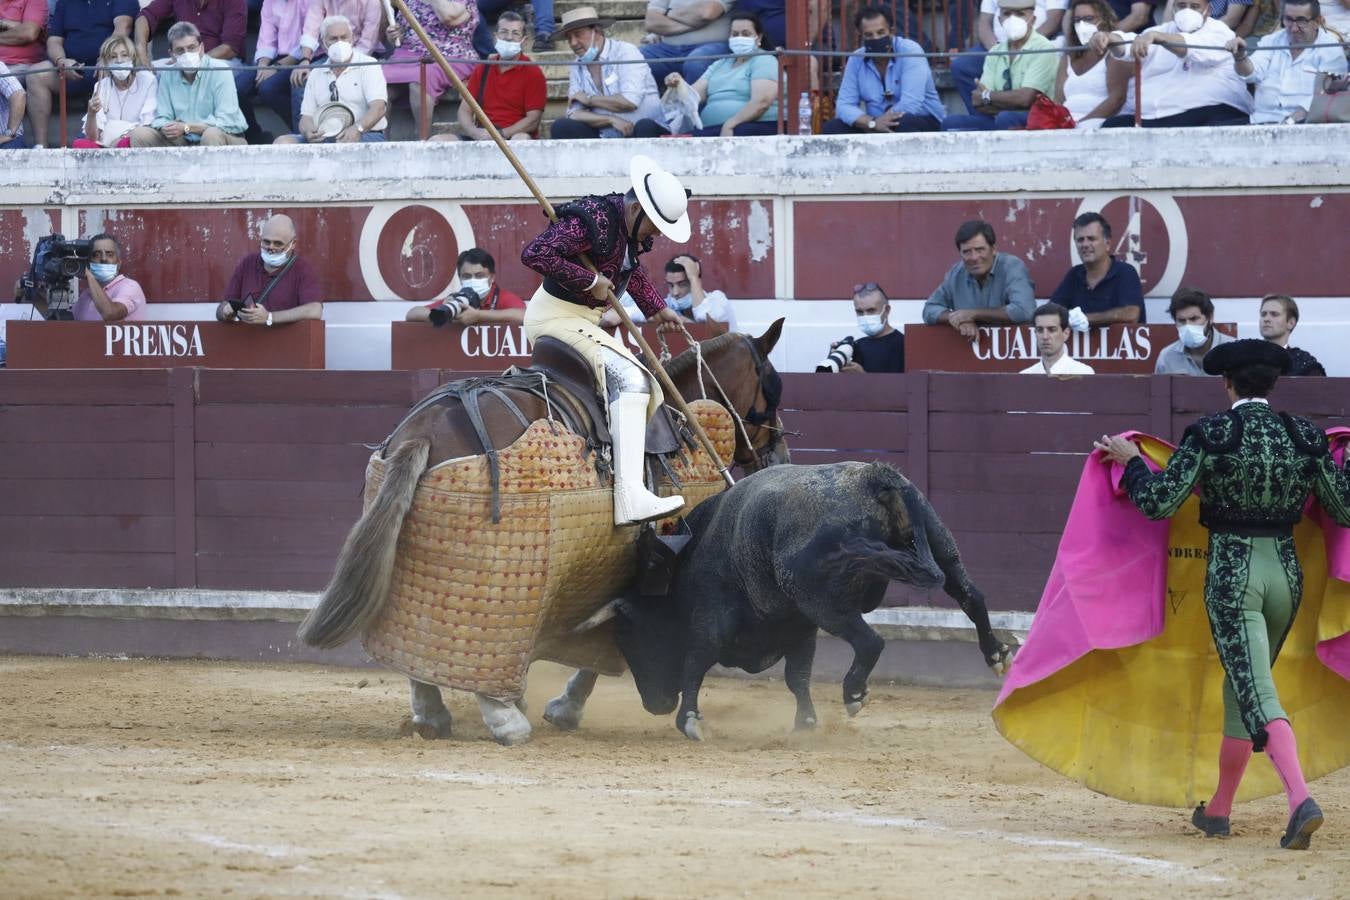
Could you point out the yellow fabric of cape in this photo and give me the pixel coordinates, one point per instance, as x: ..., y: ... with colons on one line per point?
x: 1143, y: 723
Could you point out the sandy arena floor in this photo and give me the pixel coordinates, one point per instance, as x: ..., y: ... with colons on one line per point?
x: 148, y: 778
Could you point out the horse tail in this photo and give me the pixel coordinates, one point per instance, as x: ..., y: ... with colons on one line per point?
x: 360, y: 582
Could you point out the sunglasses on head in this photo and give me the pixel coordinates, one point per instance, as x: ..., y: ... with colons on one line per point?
x: 869, y: 286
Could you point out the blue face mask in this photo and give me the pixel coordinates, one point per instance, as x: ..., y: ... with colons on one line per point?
x: 680, y: 304
x: 275, y: 260
x: 104, y: 272
x: 590, y: 54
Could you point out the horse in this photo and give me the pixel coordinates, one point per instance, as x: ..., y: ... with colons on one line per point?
x: 731, y: 369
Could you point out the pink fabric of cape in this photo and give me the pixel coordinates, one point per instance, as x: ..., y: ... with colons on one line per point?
x: 1335, y: 653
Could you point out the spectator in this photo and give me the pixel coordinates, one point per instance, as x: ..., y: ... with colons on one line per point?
x: 1009, y: 84
x: 1279, y: 318
x: 692, y: 28
x: 1050, y: 321
x: 277, y: 52
x: 492, y: 11
x: 880, y: 94
x: 1101, y: 290
x: 22, y: 25
x: 1130, y: 15
x: 449, y: 24
x: 221, y: 26
x: 685, y: 294
x: 360, y: 88
x: 605, y: 100
x: 275, y: 286
x: 772, y: 14
x: 478, y: 273
x: 1186, y: 86
x: 195, y: 105
x: 990, y: 32
x: 123, y: 98
x: 984, y: 288
x: 108, y: 295
x: 13, y: 101
x: 881, y: 348
x: 76, y: 32
x: 739, y: 96
x: 1092, y: 87
x: 1285, y: 74
x: 1193, y: 312
x: 365, y: 17
x: 512, y: 95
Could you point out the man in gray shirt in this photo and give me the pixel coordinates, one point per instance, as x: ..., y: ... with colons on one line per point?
x: 1193, y: 312
x: 984, y: 288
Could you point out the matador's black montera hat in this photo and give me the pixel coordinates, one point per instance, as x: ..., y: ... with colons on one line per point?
x: 1232, y: 355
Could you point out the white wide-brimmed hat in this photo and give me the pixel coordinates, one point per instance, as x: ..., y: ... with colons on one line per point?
x: 663, y: 198
x: 332, y: 119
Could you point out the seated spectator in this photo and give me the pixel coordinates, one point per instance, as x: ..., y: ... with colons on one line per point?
x: 881, y: 94
x: 123, y: 98
x: 1285, y: 74
x: 365, y: 16
x: 108, y: 295
x: 685, y: 28
x: 22, y: 26
x: 738, y: 96
x: 1185, y: 86
x: 772, y: 15
x: 221, y: 26
x: 275, y: 286
x: 685, y: 294
x: 449, y: 24
x: 603, y: 99
x: 984, y: 288
x: 76, y: 32
x: 13, y: 102
x: 277, y: 52
x: 478, y: 273
x: 1101, y: 290
x: 1050, y: 322
x: 360, y: 88
x: 990, y: 32
x: 1092, y: 86
x: 881, y: 348
x: 186, y: 112
x: 1193, y: 312
x: 512, y: 95
x: 1009, y: 84
x: 1279, y: 318
x: 490, y: 13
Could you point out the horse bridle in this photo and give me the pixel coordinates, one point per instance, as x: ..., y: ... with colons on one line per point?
x: 770, y: 384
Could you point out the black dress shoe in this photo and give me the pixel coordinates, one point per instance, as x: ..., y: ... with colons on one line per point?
x: 1305, y: 820
x: 1212, y: 826
x: 543, y: 42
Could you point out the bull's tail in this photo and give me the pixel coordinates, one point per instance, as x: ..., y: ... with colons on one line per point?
x: 360, y: 582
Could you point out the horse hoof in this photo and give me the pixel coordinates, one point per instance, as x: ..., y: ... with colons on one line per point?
x: 692, y: 727
x: 563, y: 714
x: 432, y: 728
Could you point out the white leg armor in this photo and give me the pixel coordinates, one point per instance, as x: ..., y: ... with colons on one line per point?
x: 628, y: 394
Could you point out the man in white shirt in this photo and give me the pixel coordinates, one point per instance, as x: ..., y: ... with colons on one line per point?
x: 606, y: 100
x: 1285, y: 74
x: 686, y: 295
x: 989, y: 31
x: 361, y: 88
x: 1051, y: 323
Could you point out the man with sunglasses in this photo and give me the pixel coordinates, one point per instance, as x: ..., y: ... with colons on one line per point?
x: 1285, y: 73
x: 274, y: 286
x: 348, y: 79
x: 881, y: 348
x: 1015, y: 72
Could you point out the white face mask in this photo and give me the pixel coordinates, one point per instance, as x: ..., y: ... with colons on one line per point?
x: 742, y: 45
x: 1016, y: 28
x: 870, y: 325
x: 1085, y: 31
x: 190, y: 60
x: 1188, y: 20
x: 1192, y: 336
x: 340, y: 52
x: 121, y: 69
x: 508, y: 49
x: 480, y: 286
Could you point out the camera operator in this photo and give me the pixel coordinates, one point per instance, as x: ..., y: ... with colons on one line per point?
x: 493, y: 304
x: 274, y: 286
x: 880, y: 349
x: 108, y: 295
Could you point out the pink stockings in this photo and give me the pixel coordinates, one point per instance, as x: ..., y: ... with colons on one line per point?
x: 1234, y: 754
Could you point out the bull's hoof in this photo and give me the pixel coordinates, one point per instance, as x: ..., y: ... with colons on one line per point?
x: 507, y: 723
x: 1001, y: 662
x: 692, y: 726
x: 854, y: 703
x: 432, y: 727
x: 806, y: 723
x: 563, y: 714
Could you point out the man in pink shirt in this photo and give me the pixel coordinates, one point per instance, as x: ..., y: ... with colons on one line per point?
x: 23, y: 27
x: 108, y: 296
x: 279, y: 46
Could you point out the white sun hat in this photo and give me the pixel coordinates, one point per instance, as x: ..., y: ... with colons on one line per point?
x: 663, y: 198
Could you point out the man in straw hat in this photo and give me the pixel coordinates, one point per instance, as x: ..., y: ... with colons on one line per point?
x: 613, y: 230
x: 609, y: 91
x: 1255, y: 469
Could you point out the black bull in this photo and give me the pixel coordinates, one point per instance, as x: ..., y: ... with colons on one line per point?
x: 789, y: 551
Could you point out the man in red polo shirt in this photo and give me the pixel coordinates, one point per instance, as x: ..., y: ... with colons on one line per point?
x: 222, y: 23
x: 275, y: 286
x: 478, y: 273
x: 512, y: 95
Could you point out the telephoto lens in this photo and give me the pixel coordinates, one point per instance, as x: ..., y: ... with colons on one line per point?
x: 839, y: 357
x: 456, y: 303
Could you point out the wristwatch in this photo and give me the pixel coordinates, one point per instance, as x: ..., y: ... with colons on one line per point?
x: 871, y: 124
x: 269, y: 320
x: 986, y: 96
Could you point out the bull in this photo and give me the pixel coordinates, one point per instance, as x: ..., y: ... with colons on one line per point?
x: 785, y: 553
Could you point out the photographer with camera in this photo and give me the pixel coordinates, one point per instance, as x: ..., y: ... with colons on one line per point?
x: 108, y: 295
x: 479, y: 300
x: 274, y: 286
x: 880, y: 349
x: 58, y: 264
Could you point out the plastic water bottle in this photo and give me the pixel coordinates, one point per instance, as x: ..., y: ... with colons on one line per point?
x: 804, y: 112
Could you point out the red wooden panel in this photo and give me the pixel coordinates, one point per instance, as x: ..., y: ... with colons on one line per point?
x: 84, y: 497
x: 983, y: 393
x: 1012, y: 432
x: 1114, y: 350
x: 270, y: 462
x: 156, y: 345
x: 303, y: 500
x: 78, y: 534
x: 284, y: 424
x: 844, y: 392
x: 1027, y: 513
x: 264, y: 571
x: 88, y: 461
x: 16, y: 252
x: 295, y: 387
x: 84, y: 387
x: 874, y: 431
x: 85, y: 424
x: 60, y: 567
x: 244, y: 535
x: 1004, y: 473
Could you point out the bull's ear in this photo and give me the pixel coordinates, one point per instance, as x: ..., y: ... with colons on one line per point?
x: 766, y: 341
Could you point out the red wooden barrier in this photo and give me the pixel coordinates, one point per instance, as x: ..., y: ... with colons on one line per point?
x: 160, y: 345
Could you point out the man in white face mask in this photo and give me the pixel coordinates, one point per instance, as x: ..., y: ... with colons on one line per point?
x: 347, y: 81
x: 1009, y: 84
x: 512, y: 95
x: 273, y: 286
x: 496, y: 305
x: 197, y: 103
x: 1193, y: 312
x: 880, y: 348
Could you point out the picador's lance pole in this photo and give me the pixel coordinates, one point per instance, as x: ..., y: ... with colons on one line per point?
x: 465, y: 96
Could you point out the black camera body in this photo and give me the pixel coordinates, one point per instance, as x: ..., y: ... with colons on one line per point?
x: 47, y: 283
x: 450, y: 308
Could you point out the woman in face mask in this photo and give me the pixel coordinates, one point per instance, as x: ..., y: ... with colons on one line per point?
x: 738, y: 96
x: 123, y: 98
x: 1093, y: 87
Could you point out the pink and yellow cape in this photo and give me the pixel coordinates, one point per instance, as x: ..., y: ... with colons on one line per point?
x: 1118, y: 685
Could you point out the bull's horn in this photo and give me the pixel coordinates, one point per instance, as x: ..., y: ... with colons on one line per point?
x: 603, y: 615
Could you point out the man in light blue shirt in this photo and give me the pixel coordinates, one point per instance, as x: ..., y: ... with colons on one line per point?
x: 985, y: 288
x: 197, y: 104
x: 1286, y: 79
x: 881, y: 94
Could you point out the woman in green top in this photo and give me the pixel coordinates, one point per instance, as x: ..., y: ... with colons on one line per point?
x: 738, y: 96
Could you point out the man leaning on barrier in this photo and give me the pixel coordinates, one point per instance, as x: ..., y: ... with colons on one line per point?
x: 880, y: 94
x: 274, y: 286
x: 985, y: 288
x: 1101, y: 290
x: 480, y: 300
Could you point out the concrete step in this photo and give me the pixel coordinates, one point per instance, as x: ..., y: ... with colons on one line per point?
x: 608, y: 9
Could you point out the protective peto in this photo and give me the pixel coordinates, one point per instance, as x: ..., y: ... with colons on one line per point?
x: 456, y: 303
x: 840, y: 356
x: 46, y: 284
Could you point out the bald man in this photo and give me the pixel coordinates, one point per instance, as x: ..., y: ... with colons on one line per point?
x: 274, y: 286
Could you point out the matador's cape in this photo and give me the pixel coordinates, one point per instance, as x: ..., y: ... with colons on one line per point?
x: 1118, y: 685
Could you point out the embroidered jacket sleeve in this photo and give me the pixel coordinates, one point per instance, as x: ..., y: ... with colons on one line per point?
x: 552, y: 254
x: 1160, y: 494
x: 644, y: 293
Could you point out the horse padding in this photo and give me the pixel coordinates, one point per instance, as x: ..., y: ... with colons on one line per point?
x: 473, y: 603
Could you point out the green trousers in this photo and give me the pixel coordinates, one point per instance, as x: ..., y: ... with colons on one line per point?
x: 1253, y: 587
